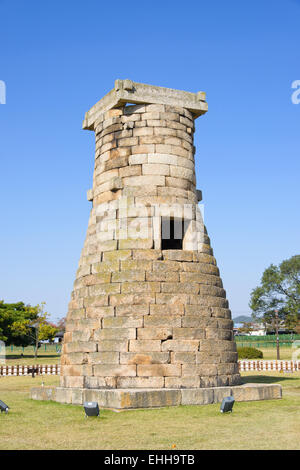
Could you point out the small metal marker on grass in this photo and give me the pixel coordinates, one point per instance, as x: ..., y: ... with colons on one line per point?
x: 227, y: 405
x: 91, y: 408
x: 3, y: 407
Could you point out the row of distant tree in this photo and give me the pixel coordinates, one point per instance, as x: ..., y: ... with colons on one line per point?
x: 276, y: 301
x: 23, y: 325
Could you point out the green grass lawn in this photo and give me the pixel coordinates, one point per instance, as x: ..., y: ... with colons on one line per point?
x: 270, y: 353
x: 30, y: 424
x: 46, y: 355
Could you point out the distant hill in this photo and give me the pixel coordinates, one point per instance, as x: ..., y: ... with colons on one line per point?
x: 242, y: 319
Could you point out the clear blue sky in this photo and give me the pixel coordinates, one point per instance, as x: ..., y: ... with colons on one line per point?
x: 59, y: 58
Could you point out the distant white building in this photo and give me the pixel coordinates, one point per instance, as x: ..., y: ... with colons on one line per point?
x: 258, y: 330
x: 58, y: 337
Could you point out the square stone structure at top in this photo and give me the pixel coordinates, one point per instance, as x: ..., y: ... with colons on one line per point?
x: 127, y: 91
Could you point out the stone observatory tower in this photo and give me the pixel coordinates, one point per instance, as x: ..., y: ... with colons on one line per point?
x: 148, y: 310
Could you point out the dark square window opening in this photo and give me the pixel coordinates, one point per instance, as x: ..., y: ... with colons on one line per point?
x: 172, y: 233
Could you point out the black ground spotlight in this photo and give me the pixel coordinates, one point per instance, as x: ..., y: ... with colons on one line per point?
x: 91, y: 408
x: 227, y: 405
x: 3, y: 407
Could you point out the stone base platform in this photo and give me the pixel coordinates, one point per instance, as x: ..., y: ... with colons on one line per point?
x: 126, y: 399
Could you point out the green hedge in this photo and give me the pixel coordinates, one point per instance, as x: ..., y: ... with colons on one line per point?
x: 249, y: 353
x: 267, y: 338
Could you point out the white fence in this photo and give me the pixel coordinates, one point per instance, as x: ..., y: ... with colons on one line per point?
x: 259, y: 365
x: 244, y: 366
x: 53, y: 369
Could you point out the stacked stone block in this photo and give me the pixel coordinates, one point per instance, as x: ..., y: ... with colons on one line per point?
x: 140, y: 316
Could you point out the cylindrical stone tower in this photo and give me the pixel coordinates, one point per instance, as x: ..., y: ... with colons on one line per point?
x: 148, y: 309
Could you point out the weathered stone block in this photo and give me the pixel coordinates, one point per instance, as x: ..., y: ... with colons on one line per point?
x: 43, y: 393
x: 129, y: 141
x: 104, y: 357
x: 183, y: 357
x: 133, y: 299
x: 217, y: 345
x: 133, y: 170
x: 212, y: 290
x: 132, y: 310
x: 97, y: 301
x: 166, y: 266
x: 103, y: 289
x: 115, y: 256
x: 202, y: 396
x: 162, y: 276
x: 199, y: 321
x: 229, y: 356
x: 136, y: 243
x: 208, y: 382
x: 113, y: 345
x: 178, y: 255
x: 105, y: 266
x: 128, y: 276
x: 122, y: 322
x: 188, y: 333
x: 144, y: 358
x: 199, y: 369
x: 114, y: 334
x: 182, y: 287
x: 76, y: 370
x: 142, y: 131
x: 180, y: 345
x: 138, y: 159
x: 162, y: 321
x: 93, y: 279
x: 212, y: 333
x: 74, y: 358
x: 143, y: 345
x: 220, y: 393
x: 208, y: 301
x: 157, y: 180
x: 228, y: 368
x: 63, y: 395
x: 159, y: 370
x: 99, y: 312
x: 118, y: 162
x: 130, y: 287
x: 146, y: 392
x: 249, y: 392
x: 83, y: 335
x: 225, y: 334
x: 146, y: 255
x: 113, y: 370
x: 80, y: 346
x: 154, y: 333
x: 151, y: 399
x: 208, y: 357
x: 91, y: 382
x: 140, y: 382
x: 172, y: 299
x: 155, y: 169
x: 77, y: 396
